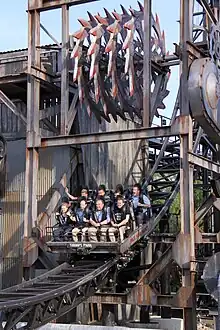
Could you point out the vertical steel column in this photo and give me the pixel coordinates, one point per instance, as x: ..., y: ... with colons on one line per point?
x: 144, y: 313
x: 186, y: 170
x: 146, y: 81
x: 147, y: 64
x: 65, y: 71
x: 33, y: 132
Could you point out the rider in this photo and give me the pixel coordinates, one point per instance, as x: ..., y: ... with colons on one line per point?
x: 120, y: 219
x: 141, y: 204
x: 99, y: 220
x: 84, y: 193
x: 82, y: 217
x: 65, y: 220
x: 102, y: 194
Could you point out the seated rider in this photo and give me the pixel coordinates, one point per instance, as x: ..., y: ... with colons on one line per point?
x: 84, y: 193
x: 120, y: 219
x: 82, y: 219
x: 99, y: 221
x: 119, y: 191
x: 65, y: 221
x: 141, y: 204
x: 102, y: 194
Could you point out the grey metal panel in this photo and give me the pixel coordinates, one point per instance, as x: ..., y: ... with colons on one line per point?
x: 11, y: 271
x: 9, y: 122
x: 108, y: 163
x: 53, y: 162
x: 14, y: 67
x: 13, y: 201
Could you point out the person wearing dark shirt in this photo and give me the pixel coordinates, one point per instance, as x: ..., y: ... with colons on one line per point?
x: 99, y: 220
x: 120, y: 219
x: 65, y: 221
x: 82, y: 217
x: 141, y: 204
x: 102, y: 194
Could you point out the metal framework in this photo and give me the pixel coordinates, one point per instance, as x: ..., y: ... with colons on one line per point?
x: 181, y: 164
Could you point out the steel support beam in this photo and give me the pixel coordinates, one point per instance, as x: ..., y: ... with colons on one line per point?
x: 208, y: 10
x: 204, y: 162
x: 65, y: 71
x: 147, y: 64
x: 42, y: 5
x: 33, y: 131
x: 72, y: 111
x: 181, y: 126
x: 12, y: 107
x: 186, y: 171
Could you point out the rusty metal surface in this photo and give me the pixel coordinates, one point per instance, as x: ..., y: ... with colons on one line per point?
x: 181, y: 126
x: 110, y: 27
x: 53, y: 4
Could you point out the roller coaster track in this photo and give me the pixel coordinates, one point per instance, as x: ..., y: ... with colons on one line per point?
x: 49, y: 296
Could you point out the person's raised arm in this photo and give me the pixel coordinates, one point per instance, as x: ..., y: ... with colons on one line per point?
x: 73, y: 198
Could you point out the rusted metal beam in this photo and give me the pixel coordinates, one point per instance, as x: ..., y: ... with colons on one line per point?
x: 42, y: 5
x: 65, y: 71
x: 157, y: 268
x: 50, y: 35
x: 33, y: 138
x: 143, y: 296
x: 179, y: 127
x: 204, y: 208
x: 12, y: 107
x: 50, y: 111
x: 40, y: 74
x: 208, y: 11
x: 72, y: 111
x: 186, y: 171
x: 147, y: 64
x: 204, y: 162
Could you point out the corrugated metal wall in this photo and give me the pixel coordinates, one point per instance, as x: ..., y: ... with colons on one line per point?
x: 12, y: 217
x: 52, y: 163
x: 110, y: 163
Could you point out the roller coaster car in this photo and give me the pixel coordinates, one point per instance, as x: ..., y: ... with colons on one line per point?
x: 2, y: 164
x: 84, y: 248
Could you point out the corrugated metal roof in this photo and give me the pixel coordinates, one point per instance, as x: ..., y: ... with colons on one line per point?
x: 26, y: 49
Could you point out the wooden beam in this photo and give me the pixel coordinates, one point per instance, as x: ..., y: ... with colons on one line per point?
x: 9, y: 104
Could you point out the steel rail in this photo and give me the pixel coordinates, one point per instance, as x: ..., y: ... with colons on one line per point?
x: 53, y: 292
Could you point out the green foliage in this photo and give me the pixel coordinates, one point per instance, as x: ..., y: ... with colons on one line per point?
x: 198, y: 198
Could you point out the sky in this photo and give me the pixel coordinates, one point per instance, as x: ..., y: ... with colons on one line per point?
x: 13, y: 26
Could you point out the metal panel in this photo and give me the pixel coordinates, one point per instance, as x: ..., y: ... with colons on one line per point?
x: 11, y: 271
x: 53, y: 164
x: 13, y: 68
x: 44, y: 179
x: 9, y: 123
x: 13, y: 201
x: 101, y: 161
x: 12, y: 217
